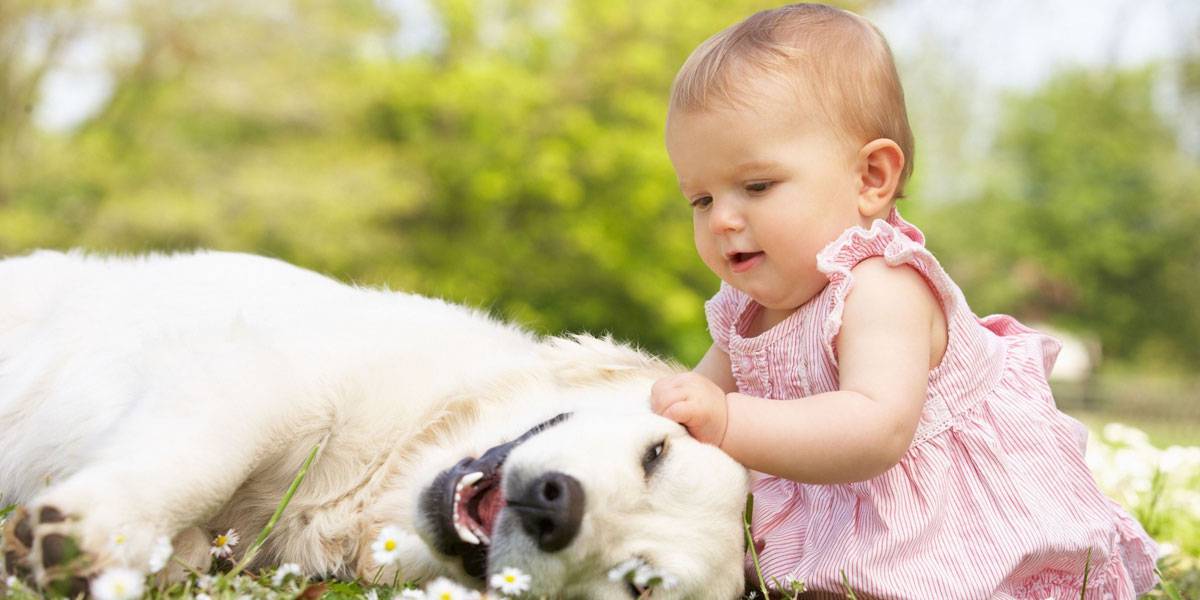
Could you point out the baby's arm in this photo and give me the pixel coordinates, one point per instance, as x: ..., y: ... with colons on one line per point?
x: 886, y: 347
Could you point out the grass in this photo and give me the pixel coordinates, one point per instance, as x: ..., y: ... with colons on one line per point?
x: 1180, y: 573
x: 1166, y: 407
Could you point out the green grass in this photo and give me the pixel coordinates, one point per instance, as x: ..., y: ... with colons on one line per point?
x: 1180, y: 572
x: 1163, y: 432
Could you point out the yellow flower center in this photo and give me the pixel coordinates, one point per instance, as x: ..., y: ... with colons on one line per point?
x: 510, y: 578
x: 119, y: 539
x: 389, y: 545
x: 220, y: 541
x: 446, y: 596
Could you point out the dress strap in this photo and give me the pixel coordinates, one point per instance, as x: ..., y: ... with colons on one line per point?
x: 722, y: 311
x: 899, y: 243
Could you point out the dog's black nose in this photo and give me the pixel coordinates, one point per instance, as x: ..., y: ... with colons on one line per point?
x: 550, y: 509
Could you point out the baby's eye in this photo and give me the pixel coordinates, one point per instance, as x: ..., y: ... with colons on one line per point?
x: 759, y: 187
x: 701, y: 202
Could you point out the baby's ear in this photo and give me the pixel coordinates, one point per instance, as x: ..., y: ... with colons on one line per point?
x: 880, y: 163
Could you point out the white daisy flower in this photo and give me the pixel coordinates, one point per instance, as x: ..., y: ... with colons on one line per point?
x: 642, y: 575
x: 411, y: 594
x: 204, y: 582
x: 646, y: 576
x: 223, y: 544
x: 203, y: 596
x: 619, y: 572
x: 444, y: 589
x: 284, y: 571
x: 386, y: 548
x: 11, y: 582
x: 118, y: 584
x: 510, y: 581
x: 372, y: 595
x: 160, y: 554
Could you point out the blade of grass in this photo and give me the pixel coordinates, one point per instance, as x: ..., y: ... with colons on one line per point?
x: 7, y: 510
x: 746, y: 518
x: 846, y: 584
x: 1167, y: 587
x: 287, y: 497
x: 1087, y: 568
x: 185, y: 566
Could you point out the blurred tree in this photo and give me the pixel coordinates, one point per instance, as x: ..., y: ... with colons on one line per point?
x: 517, y: 164
x: 33, y: 35
x: 1090, y: 221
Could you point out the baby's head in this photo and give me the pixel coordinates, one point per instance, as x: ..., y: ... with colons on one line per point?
x: 785, y: 130
x: 833, y: 68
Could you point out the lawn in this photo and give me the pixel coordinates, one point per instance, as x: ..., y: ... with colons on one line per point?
x: 1151, y: 472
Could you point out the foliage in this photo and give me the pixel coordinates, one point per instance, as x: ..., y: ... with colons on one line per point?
x: 1089, y: 221
x: 516, y: 162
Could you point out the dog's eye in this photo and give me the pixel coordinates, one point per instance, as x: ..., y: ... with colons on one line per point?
x: 653, y: 453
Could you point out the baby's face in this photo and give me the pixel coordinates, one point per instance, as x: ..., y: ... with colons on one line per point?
x: 768, y: 190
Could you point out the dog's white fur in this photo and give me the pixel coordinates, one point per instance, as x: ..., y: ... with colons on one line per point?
x: 178, y: 395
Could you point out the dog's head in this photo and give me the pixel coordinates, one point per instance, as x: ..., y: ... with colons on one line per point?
x: 582, y: 497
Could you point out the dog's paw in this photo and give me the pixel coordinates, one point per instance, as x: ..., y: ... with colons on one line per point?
x: 55, y: 557
x: 16, y: 543
x: 40, y: 549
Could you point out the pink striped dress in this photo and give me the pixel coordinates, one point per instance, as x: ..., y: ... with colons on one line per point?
x: 993, y: 498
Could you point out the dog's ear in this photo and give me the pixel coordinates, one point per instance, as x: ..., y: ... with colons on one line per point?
x: 580, y: 359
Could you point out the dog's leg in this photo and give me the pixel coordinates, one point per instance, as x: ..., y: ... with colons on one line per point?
x: 148, y: 482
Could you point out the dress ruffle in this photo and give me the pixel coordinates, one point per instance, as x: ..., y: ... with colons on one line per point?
x: 993, y: 496
x: 899, y: 243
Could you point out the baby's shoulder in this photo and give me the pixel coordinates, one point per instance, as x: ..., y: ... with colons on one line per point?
x: 877, y: 282
x: 896, y: 298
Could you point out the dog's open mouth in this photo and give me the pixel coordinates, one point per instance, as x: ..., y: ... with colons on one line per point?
x: 477, y: 502
x: 464, y: 502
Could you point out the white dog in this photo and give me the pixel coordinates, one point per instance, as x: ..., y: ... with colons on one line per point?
x: 177, y: 396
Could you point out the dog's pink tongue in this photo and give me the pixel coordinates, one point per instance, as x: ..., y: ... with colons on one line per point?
x: 489, y: 508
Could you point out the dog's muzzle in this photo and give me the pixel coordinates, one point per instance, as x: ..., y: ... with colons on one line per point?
x: 463, y: 503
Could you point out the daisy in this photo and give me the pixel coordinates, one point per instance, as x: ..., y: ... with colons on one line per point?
x: 223, y: 544
x: 205, y: 582
x: 203, y: 596
x: 646, y: 576
x: 619, y: 572
x: 284, y: 571
x: 118, y: 584
x: 510, y: 581
x: 411, y: 594
x: 372, y: 595
x: 642, y: 575
x: 386, y: 548
x: 444, y: 589
x: 160, y: 554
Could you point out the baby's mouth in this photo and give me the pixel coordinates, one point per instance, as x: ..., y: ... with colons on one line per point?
x: 742, y: 259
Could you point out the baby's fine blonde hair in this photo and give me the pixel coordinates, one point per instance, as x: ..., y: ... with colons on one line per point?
x: 836, y: 60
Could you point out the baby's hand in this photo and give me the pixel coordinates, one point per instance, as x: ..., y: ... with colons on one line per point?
x: 694, y: 401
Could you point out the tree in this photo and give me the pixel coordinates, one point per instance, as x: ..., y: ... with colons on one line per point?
x: 517, y: 165
x: 1090, y: 220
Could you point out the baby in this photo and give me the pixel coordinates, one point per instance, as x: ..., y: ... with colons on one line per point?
x: 898, y: 438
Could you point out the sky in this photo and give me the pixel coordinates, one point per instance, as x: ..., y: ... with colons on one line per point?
x: 1006, y: 44
x: 1018, y: 43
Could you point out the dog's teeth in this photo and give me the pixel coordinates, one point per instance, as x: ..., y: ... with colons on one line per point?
x: 481, y: 535
x: 465, y: 534
x: 470, y: 478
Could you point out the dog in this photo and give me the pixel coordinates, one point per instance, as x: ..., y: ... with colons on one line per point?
x: 176, y: 396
